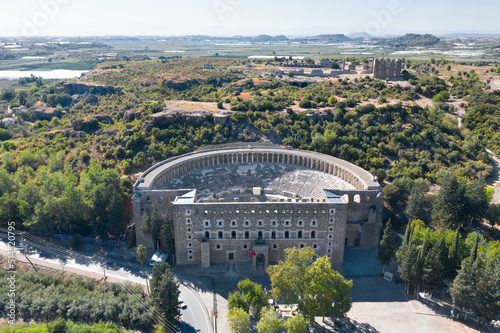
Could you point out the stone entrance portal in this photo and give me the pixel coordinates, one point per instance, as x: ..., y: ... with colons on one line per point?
x: 261, y: 250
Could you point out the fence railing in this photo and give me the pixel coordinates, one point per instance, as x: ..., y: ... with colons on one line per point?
x: 94, y: 241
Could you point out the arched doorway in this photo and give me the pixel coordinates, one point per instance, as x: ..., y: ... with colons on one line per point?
x: 260, y: 261
x: 352, y: 237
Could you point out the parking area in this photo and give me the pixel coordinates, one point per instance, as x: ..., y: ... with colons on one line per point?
x: 382, y: 306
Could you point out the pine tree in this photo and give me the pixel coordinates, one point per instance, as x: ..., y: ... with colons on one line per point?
x: 448, y: 206
x: 453, y: 257
x: 404, y: 245
x: 419, y: 266
x: 415, y: 209
x: 476, y: 204
x: 435, y: 266
x: 386, y: 246
x: 408, y: 258
x: 473, y: 252
x: 463, y: 290
x: 408, y: 232
x: 487, y: 300
x: 165, y: 292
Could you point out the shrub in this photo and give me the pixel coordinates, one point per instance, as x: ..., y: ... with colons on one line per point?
x: 76, y: 242
x: 305, y: 104
x: 5, y: 135
x: 57, y: 326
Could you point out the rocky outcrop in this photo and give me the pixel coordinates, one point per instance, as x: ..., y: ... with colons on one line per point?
x: 81, y: 88
x: 91, y: 99
x: 103, y: 118
x: 66, y: 133
x: 47, y: 114
x: 87, y: 124
x: 132, y: 115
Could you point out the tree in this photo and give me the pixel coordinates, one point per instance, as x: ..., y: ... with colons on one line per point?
x: 415, y: 209
x: 441, y: 97
x: 239, y: 320
x: 165, y: 292
x: 106, y: 193
x: 453, y: 261
x: 297, y: 324
x: 448, y: 206
x: 490, y: 191
x: 464, y: 286
x: 476, y: 204
x: 7, y: 94
x: 332, y: 100
x: 141, y: 256
x: 311, y: 284
x: 386, y: 246
x: 419, y: 266
x: 236, y: 300
x: 22, y: 96
x: 5, y: 134
x: 269, y: 321
x: 487, y: 303
x: 493, y: 214
x: 435, y: 266
x: 250, y: 297
x: 407, y: 254
x: 155, y: 225
x: 477, y: 284
x: 473, y: 251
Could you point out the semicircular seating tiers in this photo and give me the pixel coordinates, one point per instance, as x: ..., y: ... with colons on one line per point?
x: 171, y: 168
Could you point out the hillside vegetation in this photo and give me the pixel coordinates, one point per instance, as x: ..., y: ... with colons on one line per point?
x: 97, y: 136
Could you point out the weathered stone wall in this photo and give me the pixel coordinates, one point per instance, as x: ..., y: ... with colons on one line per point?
x: 357, y: 220
x: 145, y: 202
x: 387, y: 68
x: 318, y: 225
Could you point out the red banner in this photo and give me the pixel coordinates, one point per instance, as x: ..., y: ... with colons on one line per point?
x: 252, y: 252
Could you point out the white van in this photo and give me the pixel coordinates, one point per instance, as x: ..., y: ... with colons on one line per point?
x: 158, y: 257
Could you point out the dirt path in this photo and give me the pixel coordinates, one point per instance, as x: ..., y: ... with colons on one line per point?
x: 494, y: 180
x: 460, y: 111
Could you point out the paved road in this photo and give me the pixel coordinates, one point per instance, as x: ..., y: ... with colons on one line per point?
x: 194, y: 315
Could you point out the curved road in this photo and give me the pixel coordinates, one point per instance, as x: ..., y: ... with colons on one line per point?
x: 194, y: 316
x: 495, y: 179
x: 194, y: 319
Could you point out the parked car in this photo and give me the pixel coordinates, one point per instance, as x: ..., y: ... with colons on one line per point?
x: 158, y: 257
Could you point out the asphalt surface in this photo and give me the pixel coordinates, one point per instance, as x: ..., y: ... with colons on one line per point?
x: 194, y: 315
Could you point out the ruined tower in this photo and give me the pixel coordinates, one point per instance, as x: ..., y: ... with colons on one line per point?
x: 386, y: 68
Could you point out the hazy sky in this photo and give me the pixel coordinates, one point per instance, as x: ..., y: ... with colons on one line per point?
x: 245, y: 17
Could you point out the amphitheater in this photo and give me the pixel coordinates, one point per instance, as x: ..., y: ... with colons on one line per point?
x: 239, y: 202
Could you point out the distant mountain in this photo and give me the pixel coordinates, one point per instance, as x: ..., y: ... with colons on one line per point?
x: 332, y: 38
x: 470, y: 35
x: 359, y: 35
x: 413, y: 40
x: 267, y: 38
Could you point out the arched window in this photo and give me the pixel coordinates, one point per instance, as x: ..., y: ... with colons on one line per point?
x: 287, y: 234
x: 299, y: 234
x: 233, y: 235
x: 221, y: 236
x: 313, y: 234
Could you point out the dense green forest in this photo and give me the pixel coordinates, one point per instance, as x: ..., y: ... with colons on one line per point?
x: 73, y: 173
